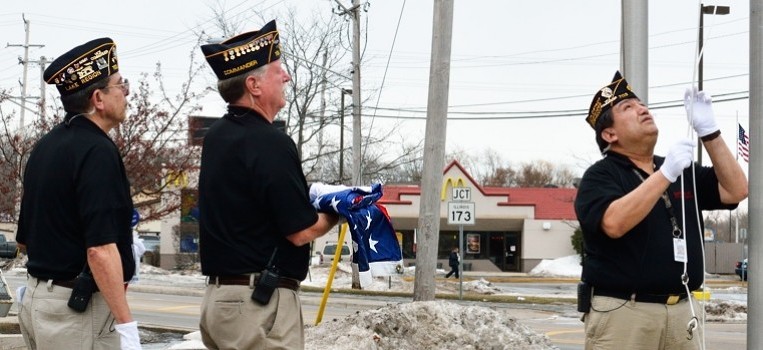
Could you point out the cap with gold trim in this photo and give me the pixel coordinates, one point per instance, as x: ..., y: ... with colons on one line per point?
x: 244, y: 52
x: 608, y: 96
x: 82, y: 66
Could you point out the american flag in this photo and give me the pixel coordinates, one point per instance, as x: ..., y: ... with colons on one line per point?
x: 376, y: 250
x: 743, y: 142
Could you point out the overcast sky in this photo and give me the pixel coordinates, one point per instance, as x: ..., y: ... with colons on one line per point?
x: 551, y: 54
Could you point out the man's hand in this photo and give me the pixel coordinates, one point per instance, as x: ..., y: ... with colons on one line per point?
x: 699, y: 110
x: 128, y: 335
x: 679, y: 158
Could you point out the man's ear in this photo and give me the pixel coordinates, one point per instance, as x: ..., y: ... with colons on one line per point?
x: 253, y: 85
x: 609, y: 135
x: 96, y: 99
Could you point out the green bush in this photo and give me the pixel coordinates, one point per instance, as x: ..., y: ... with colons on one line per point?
x: 577, y: 242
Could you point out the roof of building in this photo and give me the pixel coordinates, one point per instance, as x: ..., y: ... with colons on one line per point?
x: 549, y: 203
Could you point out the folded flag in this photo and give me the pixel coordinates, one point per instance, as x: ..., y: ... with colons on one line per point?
x: 376, y: 250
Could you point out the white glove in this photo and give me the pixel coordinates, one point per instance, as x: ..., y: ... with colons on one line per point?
x: 20, y: 294
x: 128, y: 335
x: 700, y: 106
x: 679, y: 158
x: 138, y: 248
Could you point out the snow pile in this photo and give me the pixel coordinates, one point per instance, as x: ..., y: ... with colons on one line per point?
x: 425, y: 325
x: 725, y: 311
x: 567, y: 266
x: 481, y: 286
x: 396, y: 283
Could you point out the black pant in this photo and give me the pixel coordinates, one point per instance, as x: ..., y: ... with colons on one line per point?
x: 453, y: 269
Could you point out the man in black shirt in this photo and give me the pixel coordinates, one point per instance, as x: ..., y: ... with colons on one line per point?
x: 453, y: 260
x: 76, y: 210
x: 631, y: 210
x: 256, y: 219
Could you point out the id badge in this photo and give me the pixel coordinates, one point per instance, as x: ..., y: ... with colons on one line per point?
x: 679, y: 250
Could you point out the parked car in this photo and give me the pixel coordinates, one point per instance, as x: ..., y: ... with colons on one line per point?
x: 741, y: 269
x: 151, y: 242
x: 8, y: 249
x: 327, y: 254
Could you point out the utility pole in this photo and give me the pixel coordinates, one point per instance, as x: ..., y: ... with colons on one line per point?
x: 354, y: 12
x: 356, y: 136
x: 703, y: 10
x: 43, y: 64
x: 428, y: 232
x: 24, y: 62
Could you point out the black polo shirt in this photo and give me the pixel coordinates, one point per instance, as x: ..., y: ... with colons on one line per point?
x: 76, y: 196
x: 252, y: 194
x: 642, y: 260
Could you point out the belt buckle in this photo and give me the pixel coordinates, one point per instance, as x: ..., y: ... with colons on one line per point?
x: 673, y: 299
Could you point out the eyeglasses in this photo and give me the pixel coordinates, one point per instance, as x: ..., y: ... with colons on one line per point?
x: 124, y: 85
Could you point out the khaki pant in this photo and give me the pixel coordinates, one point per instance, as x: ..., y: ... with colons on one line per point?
x: 619, y: 324
x: 230, y: 319
x: 47, y: 323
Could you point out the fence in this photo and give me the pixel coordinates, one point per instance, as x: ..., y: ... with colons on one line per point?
x: 721, y: 258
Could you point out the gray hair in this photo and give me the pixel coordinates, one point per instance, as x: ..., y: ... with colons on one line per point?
x: 232, y: 89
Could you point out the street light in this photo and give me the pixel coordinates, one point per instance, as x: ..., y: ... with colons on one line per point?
x: 341, y: 135
x: 709, y: 10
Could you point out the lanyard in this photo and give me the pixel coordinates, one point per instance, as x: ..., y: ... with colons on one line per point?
x: 668, y: 206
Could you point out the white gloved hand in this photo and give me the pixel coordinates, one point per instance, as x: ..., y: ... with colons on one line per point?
x: 128, y: 335
x: 679, y: 158
x: 700, y: 106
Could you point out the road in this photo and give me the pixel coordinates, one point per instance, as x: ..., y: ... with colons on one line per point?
x: 152, y: 306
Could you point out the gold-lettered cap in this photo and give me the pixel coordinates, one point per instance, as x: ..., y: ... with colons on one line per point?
x: 82, y: 66
x: 608, y: 96
x: 244, y: 52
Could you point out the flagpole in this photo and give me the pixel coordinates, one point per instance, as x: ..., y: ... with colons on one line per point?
x: 736, y: 231
x: 737, y: 146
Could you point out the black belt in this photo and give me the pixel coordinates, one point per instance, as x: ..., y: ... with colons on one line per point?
x: 66, y: 284
x: 667, y: 299
x: 244, y: 280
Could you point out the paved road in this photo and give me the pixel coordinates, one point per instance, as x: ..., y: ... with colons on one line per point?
x: 179, y: 308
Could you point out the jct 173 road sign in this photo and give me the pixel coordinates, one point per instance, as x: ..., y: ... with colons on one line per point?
x: 463, y: 194
x: 461, y: 213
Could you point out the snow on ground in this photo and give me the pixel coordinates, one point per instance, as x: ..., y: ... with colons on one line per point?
x: 425, y: 325
x: 441, y: 324
x: 420, y: 325
x: 567, y: 266
x: 397, y: 283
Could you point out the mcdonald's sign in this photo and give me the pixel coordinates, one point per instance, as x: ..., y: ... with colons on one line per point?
x: 176, y: 179
x: 457, y: 182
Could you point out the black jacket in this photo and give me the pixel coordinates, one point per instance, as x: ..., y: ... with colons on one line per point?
x: 453, y: 259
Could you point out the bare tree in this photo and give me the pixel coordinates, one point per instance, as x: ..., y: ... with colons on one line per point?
x: 724, y: 224
x: 151, y: 141
x: 311, y: 49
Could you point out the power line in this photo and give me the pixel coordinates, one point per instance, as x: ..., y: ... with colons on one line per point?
x: 550, y: 114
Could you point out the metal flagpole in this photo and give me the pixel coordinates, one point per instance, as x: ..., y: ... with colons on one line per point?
x: 736, y: 231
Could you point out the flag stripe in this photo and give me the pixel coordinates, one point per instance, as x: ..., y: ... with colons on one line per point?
x: 743, y: 144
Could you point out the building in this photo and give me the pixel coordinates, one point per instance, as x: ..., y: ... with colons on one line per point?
x: 514, y: 228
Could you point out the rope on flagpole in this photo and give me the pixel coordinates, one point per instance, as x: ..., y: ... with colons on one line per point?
x: 704, y: 294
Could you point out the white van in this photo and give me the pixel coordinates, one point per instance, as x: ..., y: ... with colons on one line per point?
x: 327, y: 254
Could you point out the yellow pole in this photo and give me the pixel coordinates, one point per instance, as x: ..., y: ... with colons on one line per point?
x: 337, y: 256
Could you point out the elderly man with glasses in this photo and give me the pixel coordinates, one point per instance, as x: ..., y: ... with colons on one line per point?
x: 75, y: 213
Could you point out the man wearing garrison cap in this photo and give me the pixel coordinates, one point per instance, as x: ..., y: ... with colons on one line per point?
x: 632, y: 212
x: 75, y: 213
x: 256, y: 220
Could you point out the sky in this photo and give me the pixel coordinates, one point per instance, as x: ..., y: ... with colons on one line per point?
x: 509, y: 58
